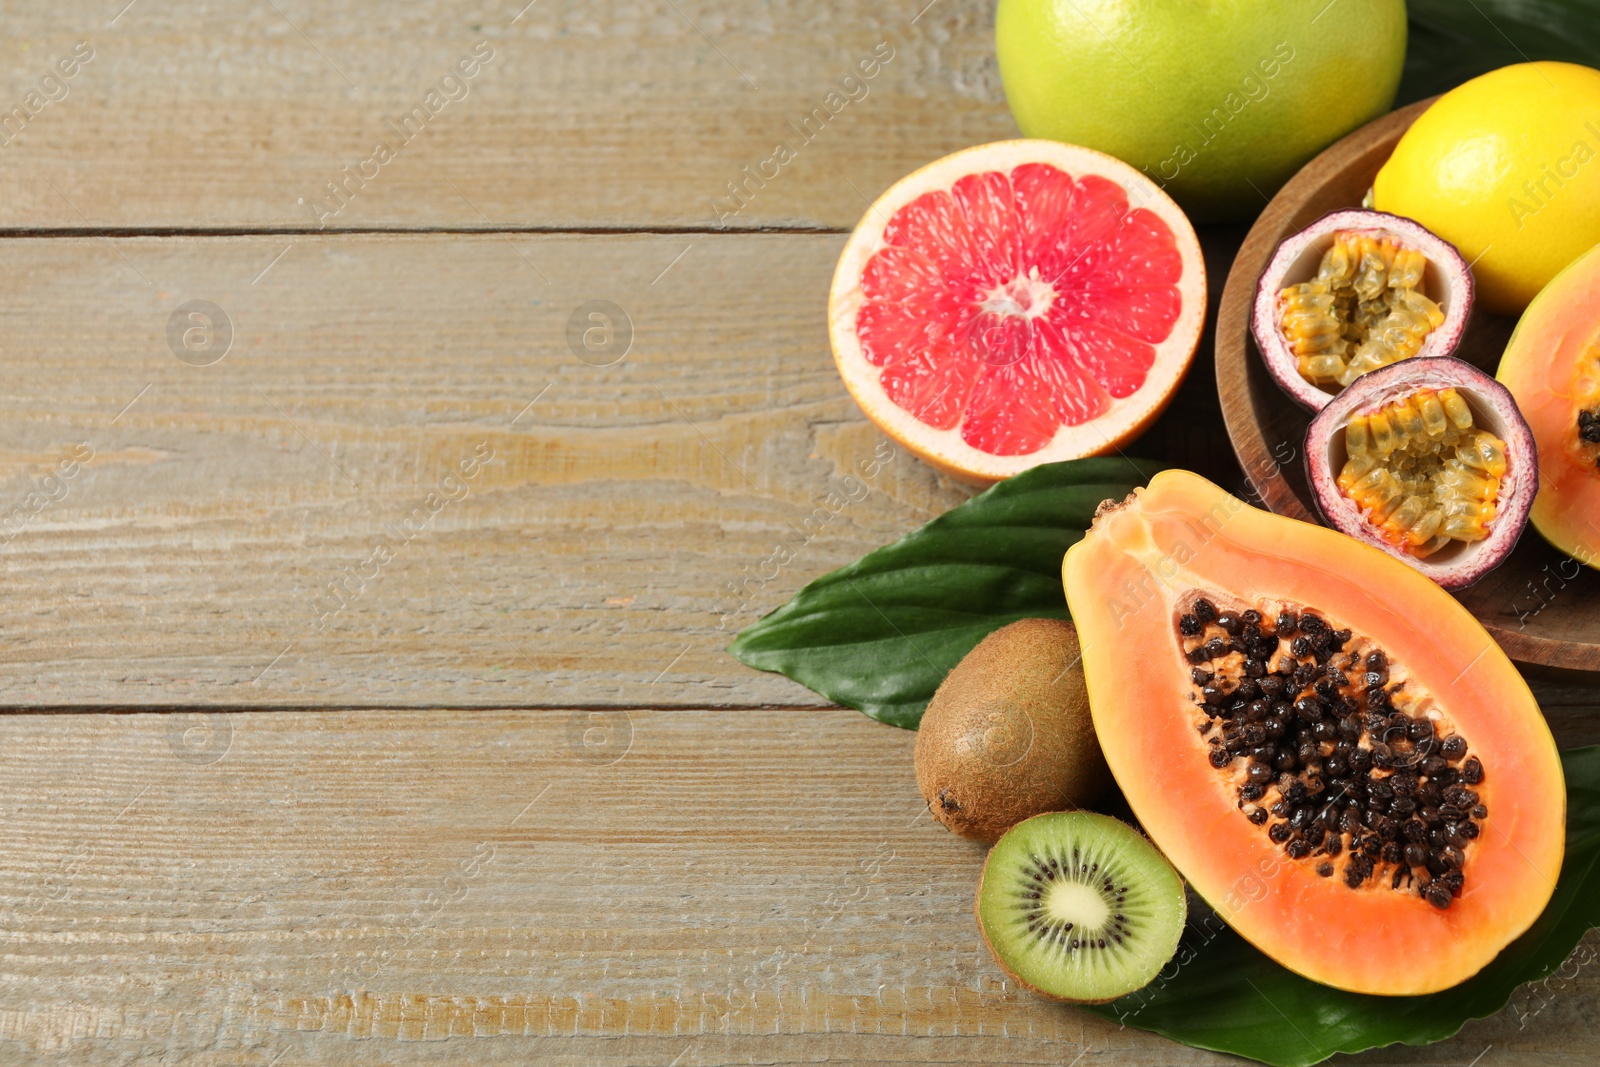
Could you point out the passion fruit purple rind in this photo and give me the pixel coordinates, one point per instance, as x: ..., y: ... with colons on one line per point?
x: 1354, y: 291
x: 1430, y: 460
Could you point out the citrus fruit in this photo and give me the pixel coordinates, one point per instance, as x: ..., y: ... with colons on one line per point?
x: 1219, y: 102
x: 1017, y: 303
x: 1505, y: 168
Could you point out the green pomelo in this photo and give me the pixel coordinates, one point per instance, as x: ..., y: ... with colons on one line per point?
x: 1219, y: 102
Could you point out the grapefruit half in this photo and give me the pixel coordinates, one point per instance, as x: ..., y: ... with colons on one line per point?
x: 1017, y: 303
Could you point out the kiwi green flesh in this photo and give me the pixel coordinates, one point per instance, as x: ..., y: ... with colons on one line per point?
x: 1080, y: 907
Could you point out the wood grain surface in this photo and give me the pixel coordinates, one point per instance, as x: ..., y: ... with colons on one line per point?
x: 620, y: 113
x: 688, y: 887
x: 605, y: 551
x: 364, y: 697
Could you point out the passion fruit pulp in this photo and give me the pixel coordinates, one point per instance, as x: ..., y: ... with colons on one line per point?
x: 1354, y: 291
x: 1429, y: 460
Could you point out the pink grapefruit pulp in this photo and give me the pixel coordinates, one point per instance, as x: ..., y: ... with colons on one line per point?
x: 1015, y: 304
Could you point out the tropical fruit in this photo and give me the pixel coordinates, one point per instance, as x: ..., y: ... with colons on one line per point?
x: 1015, y: 304
x: 1352, y: 292
x: 1326, y: 744
x: 1552, y: 368
x: 1504, y: 167
x: 1219, y: 103
x: 1079, y: 907
x: 1008, y: 734
x: 1430, y: 461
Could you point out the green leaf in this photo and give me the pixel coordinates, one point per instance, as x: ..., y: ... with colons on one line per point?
x: 1452, y: 41
x: 1228, y: 997
x: 880, y: 634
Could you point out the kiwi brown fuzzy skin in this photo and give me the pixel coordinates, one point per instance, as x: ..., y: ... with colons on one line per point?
x: 977, y: 901
x: 1008, y: 734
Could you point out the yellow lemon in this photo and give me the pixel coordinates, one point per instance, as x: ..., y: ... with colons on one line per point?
x: 1507, y: 168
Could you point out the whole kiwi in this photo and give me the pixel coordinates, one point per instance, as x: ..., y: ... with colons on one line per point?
x: 1008, y: 735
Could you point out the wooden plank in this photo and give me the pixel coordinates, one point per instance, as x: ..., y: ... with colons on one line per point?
x: 694, y: 886
x: 288, y: 526
x: 605, y: 554
x: 621, y: 114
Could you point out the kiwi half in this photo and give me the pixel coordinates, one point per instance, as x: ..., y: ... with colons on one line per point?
x: 1079, y: 907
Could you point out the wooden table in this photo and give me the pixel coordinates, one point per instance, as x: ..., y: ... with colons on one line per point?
x: 367, y: 700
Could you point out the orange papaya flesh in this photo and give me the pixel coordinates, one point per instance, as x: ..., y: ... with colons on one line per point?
x: 1552, y: 368
x: 1177, y: 594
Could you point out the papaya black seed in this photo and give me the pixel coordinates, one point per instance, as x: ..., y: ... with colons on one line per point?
x: 1325, y: 729
x: 1325, y: 870
x: 1309, y: 708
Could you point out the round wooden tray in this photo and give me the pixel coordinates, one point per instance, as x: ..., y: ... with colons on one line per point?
x: 1541, y: 606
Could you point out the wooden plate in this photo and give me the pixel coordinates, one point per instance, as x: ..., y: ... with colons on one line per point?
x: 1540, y: 605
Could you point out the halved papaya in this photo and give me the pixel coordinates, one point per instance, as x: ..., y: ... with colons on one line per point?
x: 1326, y: 744
x: 1552, y: 367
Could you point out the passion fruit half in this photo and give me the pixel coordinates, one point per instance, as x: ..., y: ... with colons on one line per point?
x: 1430, y: 460
x: 1354, y: 291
